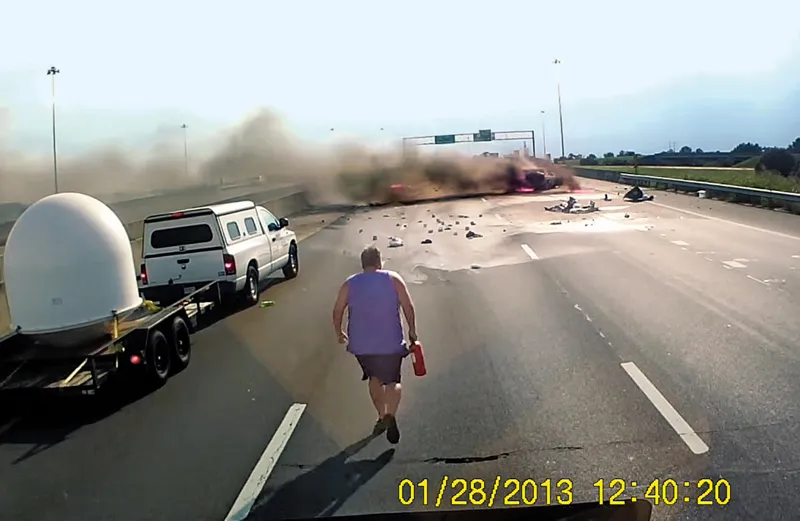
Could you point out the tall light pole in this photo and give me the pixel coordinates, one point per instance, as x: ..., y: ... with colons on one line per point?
x: 557, y: 62
x: 544, y: 139
x: 52, y: 71
x: 185, y: 150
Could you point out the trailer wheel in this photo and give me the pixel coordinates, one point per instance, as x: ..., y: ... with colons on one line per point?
x: 158, y: 358
x: 181, y: 345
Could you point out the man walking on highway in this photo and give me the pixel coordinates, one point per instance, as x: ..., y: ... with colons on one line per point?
x: 375, y: 333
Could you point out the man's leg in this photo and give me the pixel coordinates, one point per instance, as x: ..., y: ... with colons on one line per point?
x: 393, y: 393
x: 392, y: 398
x: 376, y: 392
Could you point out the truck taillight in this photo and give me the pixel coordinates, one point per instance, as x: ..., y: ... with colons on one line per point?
x: 230, y: 264
x: 143, y: 275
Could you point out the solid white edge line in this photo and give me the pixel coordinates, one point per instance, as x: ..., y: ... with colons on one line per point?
x: 749, y: 227
x: 527, y: 249
x: 676, y: 421
x: 266, y: 464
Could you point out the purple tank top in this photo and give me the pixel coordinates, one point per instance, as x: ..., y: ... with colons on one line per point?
x: 374, y: 325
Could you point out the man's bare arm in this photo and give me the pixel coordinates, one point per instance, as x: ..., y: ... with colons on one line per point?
x: 338, y: 309
x: 406, y: 304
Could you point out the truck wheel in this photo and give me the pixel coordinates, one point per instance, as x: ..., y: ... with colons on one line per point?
x: 292, y: 267
x: 158, y: 358
x: 181, y: 345
x: 250, y: 292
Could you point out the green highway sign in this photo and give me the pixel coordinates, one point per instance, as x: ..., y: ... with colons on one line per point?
x: 483, y: 135
x: 447, y: 139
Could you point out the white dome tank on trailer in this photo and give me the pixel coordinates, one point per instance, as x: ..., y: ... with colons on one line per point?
x: 68, y: 268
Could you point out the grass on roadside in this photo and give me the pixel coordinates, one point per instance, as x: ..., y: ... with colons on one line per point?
x: 746, y: 177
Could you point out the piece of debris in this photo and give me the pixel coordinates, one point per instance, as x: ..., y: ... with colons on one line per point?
x: 374, y: 237
x: 504, y: 229
x: 606, y: 197
x: 636, y: 195
x: 475, y: 267
x: 466, y: 228
x: 360, y: 230
x: 427, y: 241
x: 627, y: 215
x: 455, y: 233
x: 472, y: 223
x: 472, y: 235
x: 323, y: 221
x: 386, y: 215
x: 398, y: 224
x: 440, y: 229
x: 555, y: 222
x: 395, y: 242
x: 405, y: 226
x: 424, y: 225
x: 433, y: 215
x: 448, y: 228
x: 480, y: 215
x: 267, y: 304
x: 463, y: 216
x: 572, y: 206
x: 458, y: 222
x: 430, y: 231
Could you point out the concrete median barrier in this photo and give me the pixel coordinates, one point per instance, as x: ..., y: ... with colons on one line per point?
x: 283, y: 202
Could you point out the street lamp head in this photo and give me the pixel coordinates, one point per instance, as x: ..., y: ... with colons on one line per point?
x: 52, y: 71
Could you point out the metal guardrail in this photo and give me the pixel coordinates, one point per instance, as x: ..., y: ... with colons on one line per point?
x: 689, y: 186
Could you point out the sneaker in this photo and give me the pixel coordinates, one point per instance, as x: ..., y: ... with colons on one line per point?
x: 392, y: 431
x: 379, y: 427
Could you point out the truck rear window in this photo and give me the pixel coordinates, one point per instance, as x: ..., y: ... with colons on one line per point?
x: 181, y: 236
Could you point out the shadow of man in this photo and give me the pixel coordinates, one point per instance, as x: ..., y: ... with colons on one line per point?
x: 321, y: 491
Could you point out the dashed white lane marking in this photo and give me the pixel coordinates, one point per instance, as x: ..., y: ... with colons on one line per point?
x: 758, y: 280
x: 733, y: 264
x: 679, y: 243
x: 726, y: 221
x: 266, y: 464
x: 676, y: 421
x: 796, y: 256
x: 527, y: 249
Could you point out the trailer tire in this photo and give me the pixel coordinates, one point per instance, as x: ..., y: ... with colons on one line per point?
x: 181, y: 345
x: 158, y: 358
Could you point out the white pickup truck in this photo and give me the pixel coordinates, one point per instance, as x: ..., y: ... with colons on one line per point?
x: 237, y: 243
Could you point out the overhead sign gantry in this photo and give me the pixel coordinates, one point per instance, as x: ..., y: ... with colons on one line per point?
x: 481, y: 136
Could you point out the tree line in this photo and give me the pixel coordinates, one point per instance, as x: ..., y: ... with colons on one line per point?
x: 782, y: 160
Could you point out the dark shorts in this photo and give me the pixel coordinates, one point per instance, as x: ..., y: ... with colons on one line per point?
x: 384, y: 368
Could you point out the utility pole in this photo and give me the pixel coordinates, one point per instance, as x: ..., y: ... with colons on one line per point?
x: 544, y: 139
x: 557, y: 62
x: 185, y: 149
x: 52, y: 71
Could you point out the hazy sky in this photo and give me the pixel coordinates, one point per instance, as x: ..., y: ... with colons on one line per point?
x: 409, y: 66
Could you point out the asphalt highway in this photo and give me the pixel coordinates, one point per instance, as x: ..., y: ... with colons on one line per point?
x: 643, y: 342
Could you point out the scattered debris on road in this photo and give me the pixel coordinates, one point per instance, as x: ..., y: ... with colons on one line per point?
x: 395, y: 242
x: 472, y: 235
x: 427, y: 241
x: 572, y: 206
x: 636, y: 195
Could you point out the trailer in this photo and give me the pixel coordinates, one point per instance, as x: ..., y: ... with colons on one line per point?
x: 145, y: 347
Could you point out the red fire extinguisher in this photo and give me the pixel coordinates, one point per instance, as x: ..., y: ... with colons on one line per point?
x: 418, y: 359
